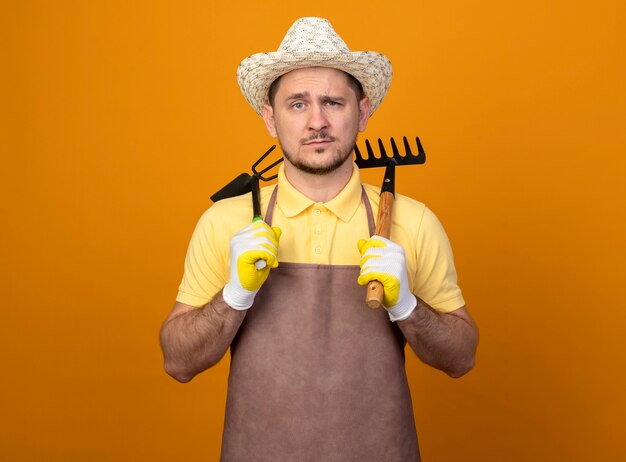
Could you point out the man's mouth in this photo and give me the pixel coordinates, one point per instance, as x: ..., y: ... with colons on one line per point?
x: 319, y: 141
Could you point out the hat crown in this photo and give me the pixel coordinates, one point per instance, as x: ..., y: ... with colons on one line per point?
x: 312, y: 42
x: 312, y: 35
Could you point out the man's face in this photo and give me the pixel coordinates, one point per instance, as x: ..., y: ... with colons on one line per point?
x: 316, y: 117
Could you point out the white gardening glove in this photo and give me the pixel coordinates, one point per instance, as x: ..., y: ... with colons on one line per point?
x: 383, y: 261
x: 255, y: 243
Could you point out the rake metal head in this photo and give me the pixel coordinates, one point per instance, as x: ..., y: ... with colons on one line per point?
x: 383, y: 159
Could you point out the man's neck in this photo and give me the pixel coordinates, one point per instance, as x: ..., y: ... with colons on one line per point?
x: 319, y: 188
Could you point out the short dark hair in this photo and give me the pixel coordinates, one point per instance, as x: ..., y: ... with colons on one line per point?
x: 352, y: 82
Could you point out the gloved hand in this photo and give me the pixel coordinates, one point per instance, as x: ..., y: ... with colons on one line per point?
x: 255, y: 242
x: 383, y: 261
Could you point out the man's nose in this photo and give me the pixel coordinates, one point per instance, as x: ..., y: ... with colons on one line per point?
x: 317, y: 118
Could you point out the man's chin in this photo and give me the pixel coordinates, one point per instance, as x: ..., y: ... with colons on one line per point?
x: 321, y: 168
x: 322, y: 161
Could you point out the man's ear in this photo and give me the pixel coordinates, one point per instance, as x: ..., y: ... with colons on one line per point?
x: 268, y: 117
x: 364, y: 109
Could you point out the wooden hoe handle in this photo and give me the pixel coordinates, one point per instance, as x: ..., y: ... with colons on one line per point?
x: 374, y: 295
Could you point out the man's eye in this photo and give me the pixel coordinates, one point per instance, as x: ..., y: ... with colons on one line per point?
x: 297, y: 105
x: 332, y: 103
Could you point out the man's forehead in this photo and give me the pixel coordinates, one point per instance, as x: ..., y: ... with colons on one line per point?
x: 314, y: 71
x: 314, y: 76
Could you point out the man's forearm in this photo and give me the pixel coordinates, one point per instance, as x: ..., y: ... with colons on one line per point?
x: 446, y: 341
x: 194, y: 339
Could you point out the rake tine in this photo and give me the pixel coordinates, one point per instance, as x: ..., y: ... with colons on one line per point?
x: 381, y: 148
x: 407, y: 147
x: 420, y: 149
x: 394, y: 148
x: 357, y: 152
x: 370, y: 151
x: 421, y: 154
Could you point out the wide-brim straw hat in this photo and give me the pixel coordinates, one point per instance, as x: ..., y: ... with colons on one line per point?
x: 312, y: 42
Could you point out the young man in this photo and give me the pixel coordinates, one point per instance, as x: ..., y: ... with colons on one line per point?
x: 315, y: 374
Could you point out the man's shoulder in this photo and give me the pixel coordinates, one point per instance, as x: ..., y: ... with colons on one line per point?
x: 400, y: 201
x: 409, y: 215
x: 236, y: 211
x: 226, y: 215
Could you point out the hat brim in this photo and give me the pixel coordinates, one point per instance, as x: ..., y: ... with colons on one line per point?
x: 257, y: 72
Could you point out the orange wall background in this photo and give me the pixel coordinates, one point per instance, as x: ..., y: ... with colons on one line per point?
x: 120, y: 119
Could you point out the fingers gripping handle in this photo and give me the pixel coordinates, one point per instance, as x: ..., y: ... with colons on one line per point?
x: 374, y: 295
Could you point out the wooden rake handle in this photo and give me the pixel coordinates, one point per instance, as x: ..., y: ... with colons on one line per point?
x: 375, y: 292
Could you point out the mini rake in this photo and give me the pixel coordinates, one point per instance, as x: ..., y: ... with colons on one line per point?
x: 374, y: 295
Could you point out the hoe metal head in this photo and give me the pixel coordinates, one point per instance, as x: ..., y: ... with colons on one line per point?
x: 245, y: 182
